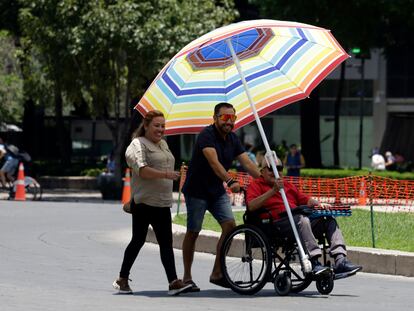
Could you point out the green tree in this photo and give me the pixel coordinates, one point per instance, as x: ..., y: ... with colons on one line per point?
x: 353, y: 23
x: 11, y: 83
x: 106, y: 52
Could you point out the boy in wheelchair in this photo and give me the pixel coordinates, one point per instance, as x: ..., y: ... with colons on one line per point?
x: 263, y: 194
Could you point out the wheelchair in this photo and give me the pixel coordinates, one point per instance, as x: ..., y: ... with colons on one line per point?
x: 254, y: 254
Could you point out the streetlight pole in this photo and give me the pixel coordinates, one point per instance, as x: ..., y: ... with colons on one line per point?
x: 361, y: 112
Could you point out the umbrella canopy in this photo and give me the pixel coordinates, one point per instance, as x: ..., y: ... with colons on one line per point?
x: 282, y: 63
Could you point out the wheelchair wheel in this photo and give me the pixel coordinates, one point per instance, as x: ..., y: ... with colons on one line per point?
x: 246, y: 259
x: 300, y: 280
x: 282, y: 283
x: 325, y: 284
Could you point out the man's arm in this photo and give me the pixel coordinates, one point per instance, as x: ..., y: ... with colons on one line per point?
x: 211, y: 155
x: 248, y: 165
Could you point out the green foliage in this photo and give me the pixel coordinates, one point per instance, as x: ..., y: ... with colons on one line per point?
x: 11, y: 83
x: 92, y: 172
x: 392, y: 230
x: 107, y: 51
x: 104, y: 53
x: 380, y: 23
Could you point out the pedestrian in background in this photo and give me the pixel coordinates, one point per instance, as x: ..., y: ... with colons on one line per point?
x: 390, y: 161
x: 152, y: 165
x: 294, y: 161
x: 214, y: 151
x: 377, y: 160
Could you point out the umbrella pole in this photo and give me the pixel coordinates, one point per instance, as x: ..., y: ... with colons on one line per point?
x: 271, y: 158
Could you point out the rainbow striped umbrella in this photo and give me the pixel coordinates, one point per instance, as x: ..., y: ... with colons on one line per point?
x: 257, y: 66
x: 282, y: 63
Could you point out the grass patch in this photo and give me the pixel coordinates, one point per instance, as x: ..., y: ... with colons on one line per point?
x: 394, y: 231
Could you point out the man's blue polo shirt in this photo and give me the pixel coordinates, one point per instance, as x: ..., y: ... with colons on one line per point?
x: 201, y: 181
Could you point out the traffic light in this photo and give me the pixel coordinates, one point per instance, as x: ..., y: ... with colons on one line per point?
x: 361, y: 53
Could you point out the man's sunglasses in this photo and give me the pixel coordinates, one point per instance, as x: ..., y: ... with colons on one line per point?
x: 225, y: 117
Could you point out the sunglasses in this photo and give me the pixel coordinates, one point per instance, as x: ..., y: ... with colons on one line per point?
x: 225, y: 117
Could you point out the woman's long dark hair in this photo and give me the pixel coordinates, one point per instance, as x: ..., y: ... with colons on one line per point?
x: 140, y: 131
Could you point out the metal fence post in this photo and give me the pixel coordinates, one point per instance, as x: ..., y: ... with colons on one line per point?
x: 369, y: 189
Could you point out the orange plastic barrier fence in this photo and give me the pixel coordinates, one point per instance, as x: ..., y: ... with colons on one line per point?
x: 391, y: 194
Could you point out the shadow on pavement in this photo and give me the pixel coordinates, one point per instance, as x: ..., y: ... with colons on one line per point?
x: 225, y: 293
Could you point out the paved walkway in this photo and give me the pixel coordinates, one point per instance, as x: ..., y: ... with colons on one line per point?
x: 65, y: 255
x: 373, y: 260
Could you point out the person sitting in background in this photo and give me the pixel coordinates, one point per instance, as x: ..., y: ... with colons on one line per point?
x: 390, y: 161
x: 263, y: 192
x: 377, y: 160
x: 399, y: 159
x: 400, y: 164
x: 110, y: 163
x: 294, y: 161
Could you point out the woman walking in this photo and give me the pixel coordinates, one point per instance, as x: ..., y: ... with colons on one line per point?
x: 152, y: 165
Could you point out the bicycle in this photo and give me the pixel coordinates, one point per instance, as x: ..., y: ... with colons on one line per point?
x: 32, y: 187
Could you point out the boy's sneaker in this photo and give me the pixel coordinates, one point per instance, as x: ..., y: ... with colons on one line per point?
x: 121, y: 284
x: 177, y: 287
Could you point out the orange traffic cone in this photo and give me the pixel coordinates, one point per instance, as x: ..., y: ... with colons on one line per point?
x: 362, y: 200
x: 126, y: 192
x: 20, y: 189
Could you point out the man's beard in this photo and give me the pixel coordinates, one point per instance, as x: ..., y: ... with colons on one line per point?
x: 225, y: 129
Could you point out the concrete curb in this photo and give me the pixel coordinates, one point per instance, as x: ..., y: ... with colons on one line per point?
x: 372, y: 259
x: 69, y: 182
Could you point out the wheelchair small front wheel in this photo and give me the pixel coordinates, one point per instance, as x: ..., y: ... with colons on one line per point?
x: 283, y: 284
x: 325, y: 284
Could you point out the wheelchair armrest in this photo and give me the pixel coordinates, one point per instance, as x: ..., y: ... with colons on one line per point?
x: 254, y: 216
x: 301, y: 210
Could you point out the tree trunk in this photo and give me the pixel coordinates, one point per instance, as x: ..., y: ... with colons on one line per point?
x: 33, y: 128
x: 337, y: 109
x: 309, y: 130
x: 61, y: 139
